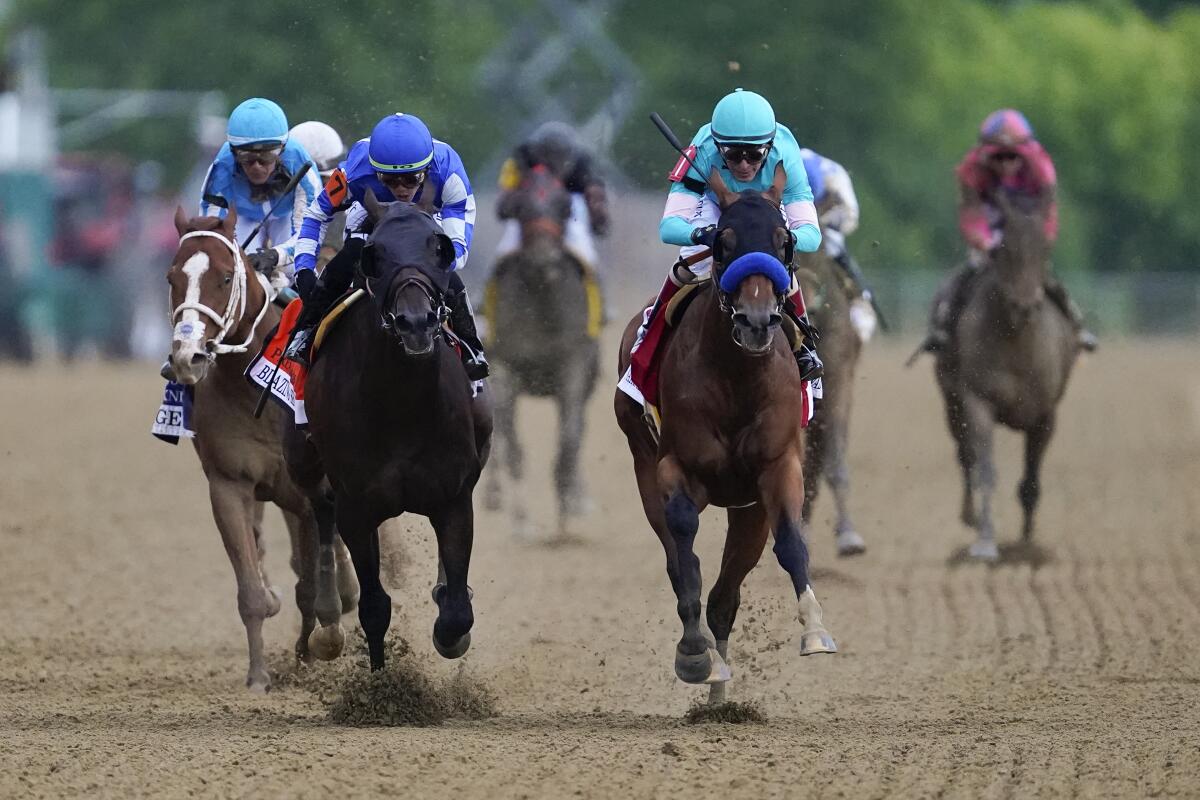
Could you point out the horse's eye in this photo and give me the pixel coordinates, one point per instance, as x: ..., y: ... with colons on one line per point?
x: 228, y: 279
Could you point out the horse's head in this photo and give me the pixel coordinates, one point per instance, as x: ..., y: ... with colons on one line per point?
x: 541, y: 205
x: 752, y: 256
x: 1023, y: 259
x: 406, y: 268
x: 209, y: 293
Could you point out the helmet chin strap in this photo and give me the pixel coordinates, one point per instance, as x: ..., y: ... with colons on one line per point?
x: 235, y: 308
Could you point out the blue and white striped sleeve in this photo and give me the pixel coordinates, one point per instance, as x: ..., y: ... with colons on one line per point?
x: 458, y: 210
x: 317, y: 217
x: 211, y: 203
x: 303, y: 196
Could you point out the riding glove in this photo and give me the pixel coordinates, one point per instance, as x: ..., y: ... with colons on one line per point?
x: 704, y: 236
x: 265, y: 260
x: 306, y: 281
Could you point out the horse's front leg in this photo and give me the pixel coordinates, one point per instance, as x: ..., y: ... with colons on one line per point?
x: 327, y: 642
x: 696, y: 657
x: 304, y: 564
x: 782, y: 490
x: 1030, y: 488
x: 234, y: 510
x: 977, y: 439
x: 455, y: 529
x: 744, y: 542
x: 572, y: 407
x: 837, y: 474
x: 374, y: 605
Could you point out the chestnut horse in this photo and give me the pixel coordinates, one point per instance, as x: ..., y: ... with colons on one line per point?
x: 221, y: 311
x: 731, y: 400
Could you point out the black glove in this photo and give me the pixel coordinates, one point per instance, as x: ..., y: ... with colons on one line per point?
x: 704, y: 236
x: 306, y: 282
x: 264, y: 261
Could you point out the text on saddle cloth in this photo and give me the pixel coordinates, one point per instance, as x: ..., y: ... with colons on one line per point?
x: 174, y: 418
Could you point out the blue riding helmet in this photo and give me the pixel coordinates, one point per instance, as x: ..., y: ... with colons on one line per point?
x: 400, y: 143
x: 743, y: 117
x: 257, y: 121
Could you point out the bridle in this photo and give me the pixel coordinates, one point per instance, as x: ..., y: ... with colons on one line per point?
x: 235, y: 309
x: 437, y: 302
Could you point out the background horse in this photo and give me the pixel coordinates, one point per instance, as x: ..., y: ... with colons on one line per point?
x: 828, y: 433
x: 730, y: 398
x: 544, y: 321
x: 393, y: 424
x: 1008, y: 361
x: 215, y: 297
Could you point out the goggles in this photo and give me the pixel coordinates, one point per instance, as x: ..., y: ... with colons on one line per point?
x: 266, y: 157
x: 409, y: 180
x: 749, y: 153
x: 1005, y: 155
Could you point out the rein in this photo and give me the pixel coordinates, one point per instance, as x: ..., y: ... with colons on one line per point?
x: 235, y: 309
x: 436, y: 301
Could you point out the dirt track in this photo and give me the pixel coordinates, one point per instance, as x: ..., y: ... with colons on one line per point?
x: 1072, y: 668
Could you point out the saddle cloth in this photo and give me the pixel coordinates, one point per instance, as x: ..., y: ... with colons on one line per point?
x: 285, y: 376
x: 174, y: 418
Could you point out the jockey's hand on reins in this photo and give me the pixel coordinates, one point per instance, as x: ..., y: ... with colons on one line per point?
x: 264, y: 260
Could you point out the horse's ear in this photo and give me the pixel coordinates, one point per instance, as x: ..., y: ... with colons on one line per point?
x: 373, y: 206
x: 181, y: 220
x: 230, y: 222
x: 724, y: 244
x: 775, y: 193
x: 443, y: 248
x: 366, y: 261
x: 725, y: 198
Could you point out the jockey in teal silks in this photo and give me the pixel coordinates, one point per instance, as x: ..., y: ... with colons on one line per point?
x: 744, y: 144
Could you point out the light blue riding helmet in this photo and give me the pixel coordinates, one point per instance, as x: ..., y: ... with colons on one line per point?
x: 743, y: 117
x: 257, y: 122
x: 400, y: 143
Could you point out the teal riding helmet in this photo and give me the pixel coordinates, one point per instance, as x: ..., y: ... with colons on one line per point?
x: 743, y: 117
x: 257, y: 122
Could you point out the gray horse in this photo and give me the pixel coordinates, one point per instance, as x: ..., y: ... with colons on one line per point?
x: 825, y: 287
x: 1008, y: 361
x: 544, y: 316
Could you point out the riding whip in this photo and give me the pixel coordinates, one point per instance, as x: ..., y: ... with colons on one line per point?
x: 671, y: 138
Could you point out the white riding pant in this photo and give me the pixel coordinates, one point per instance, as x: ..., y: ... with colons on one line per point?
x: 577, y: 234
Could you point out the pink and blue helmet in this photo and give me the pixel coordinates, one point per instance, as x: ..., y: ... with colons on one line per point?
x: 1005, y: 128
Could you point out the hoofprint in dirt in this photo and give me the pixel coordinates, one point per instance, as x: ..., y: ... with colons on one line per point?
x: 1070, y: 669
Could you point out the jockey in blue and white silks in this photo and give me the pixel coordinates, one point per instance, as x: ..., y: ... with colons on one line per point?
x: 251, y: 170
x: 744, y: 144
x: 401, y: 161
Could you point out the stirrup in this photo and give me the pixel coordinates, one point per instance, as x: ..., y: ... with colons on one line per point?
x: 476, y: 365
x: 811, y: 366
x: 298, y: 350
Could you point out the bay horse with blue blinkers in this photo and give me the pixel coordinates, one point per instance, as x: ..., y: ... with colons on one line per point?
x: 731, y: 405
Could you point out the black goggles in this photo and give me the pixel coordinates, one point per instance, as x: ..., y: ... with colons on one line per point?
x: 409, y: 180
x: 749, y: 153
x: 264, y: 156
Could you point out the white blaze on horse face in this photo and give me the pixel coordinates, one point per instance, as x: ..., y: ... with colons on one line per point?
x: 188, y: 337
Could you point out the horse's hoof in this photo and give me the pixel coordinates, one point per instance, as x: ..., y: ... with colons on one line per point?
x: 326, y: 642
x: 849, y: 543
x: 260, y: 684
x: 984, y: 551
x: 455, y: 650
x: 814, y: 642
x: 707, y: 667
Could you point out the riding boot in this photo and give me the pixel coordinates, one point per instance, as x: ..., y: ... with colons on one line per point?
x: 462, y: 322
x: 333, y: 283
x: 643, y: 361
x: 946, y: 306
x: 1057, y: 293
x: 810, y: 364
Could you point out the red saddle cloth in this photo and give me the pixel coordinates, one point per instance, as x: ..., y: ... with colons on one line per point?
x: 287, y: 383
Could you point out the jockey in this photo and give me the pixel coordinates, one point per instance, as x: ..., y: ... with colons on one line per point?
x: 1007, y: 158
x: 250, y: 172
x: 399, y: 161
x: 837, y: 208
x: 555, y: 146
x: 252, y: 168
x: 326, y: 148
x: 745, y: 144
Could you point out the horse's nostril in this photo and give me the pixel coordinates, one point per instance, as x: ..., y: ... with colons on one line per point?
x: 775, y: 321
x: 197, y: 359
x: 741, y: 320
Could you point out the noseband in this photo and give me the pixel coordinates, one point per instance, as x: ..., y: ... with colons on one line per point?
x: 235, y: 309
x: 436, y: 301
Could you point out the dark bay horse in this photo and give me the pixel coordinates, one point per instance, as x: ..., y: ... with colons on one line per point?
x: 828, y: 433
x: 731, y: 400
x: 544, y: 320
x: 221, y: 313
x: 392, y: 422
x: 1008, y: 361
